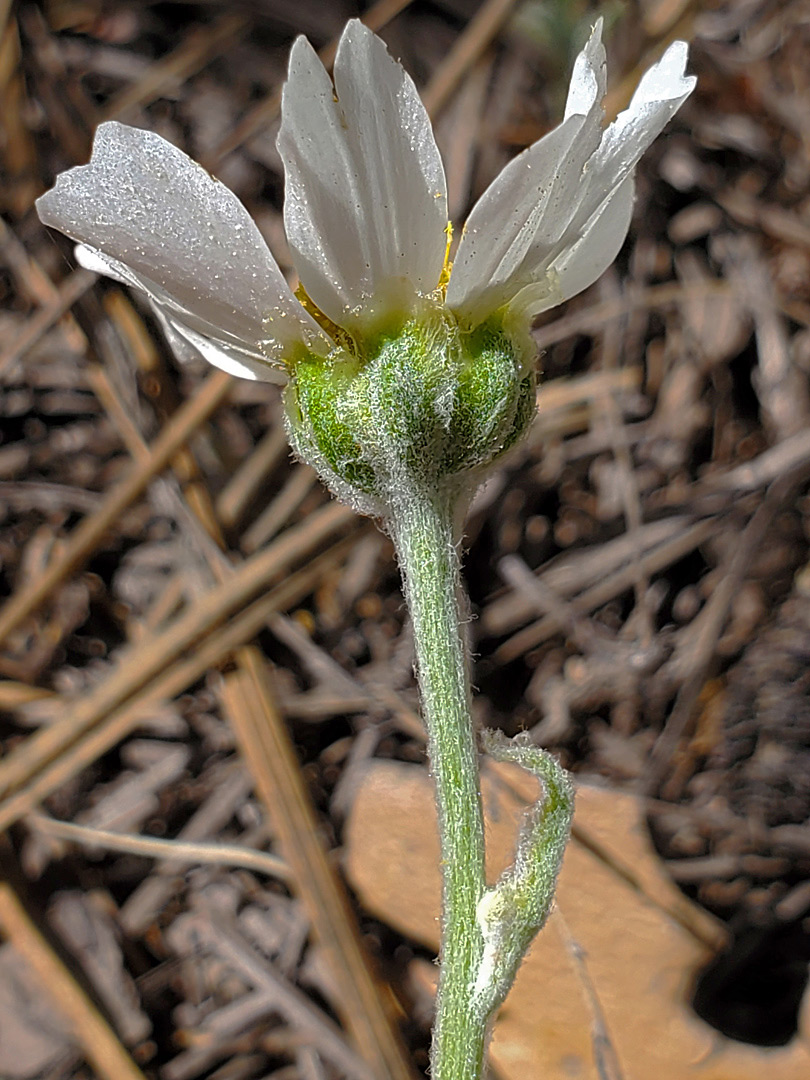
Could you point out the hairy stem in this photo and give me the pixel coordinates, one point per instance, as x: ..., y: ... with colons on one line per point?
x: 422, y: 529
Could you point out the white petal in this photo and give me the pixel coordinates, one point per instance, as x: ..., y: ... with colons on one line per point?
x: 579, y: 265
x: 503, y: 223
x: 226, y: 356
x: 524, y: 212
x: 186, y: 332
x: 659, y: 95
x: 366, y: 201
x: 559, y: 248
x: 589, y: 77
x: 160, y: 222
x: 602, y: 238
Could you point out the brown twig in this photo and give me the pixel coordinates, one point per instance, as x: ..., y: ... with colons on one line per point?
x: 92, y: 1032
x: 105, y: 724
x: 196, y: 49
x: 68, y: 292
x: 468, y: 47
x: 87, y: 535
x: 147, y: 660
x: 266, y: 110
x: 270, y: 755
x: 153, y: 847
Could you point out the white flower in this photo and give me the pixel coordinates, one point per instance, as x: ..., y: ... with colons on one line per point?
x: 365, y: 212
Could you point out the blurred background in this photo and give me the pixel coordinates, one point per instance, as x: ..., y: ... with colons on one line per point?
x: 198, y: 647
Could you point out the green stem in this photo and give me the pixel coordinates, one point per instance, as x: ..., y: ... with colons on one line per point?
x: 422, y: 527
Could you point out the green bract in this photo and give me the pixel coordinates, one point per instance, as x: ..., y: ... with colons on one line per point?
x: 420, y: 406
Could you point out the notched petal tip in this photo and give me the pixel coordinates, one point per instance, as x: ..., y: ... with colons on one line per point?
x: 540, y: 243
x: 666, y: 80
x: 365, y: 200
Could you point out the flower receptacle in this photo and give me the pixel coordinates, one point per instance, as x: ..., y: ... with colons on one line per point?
x: 426, y: 408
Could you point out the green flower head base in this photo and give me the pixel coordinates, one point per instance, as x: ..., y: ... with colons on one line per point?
x: 425, y: 408
x: 401, y: 369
